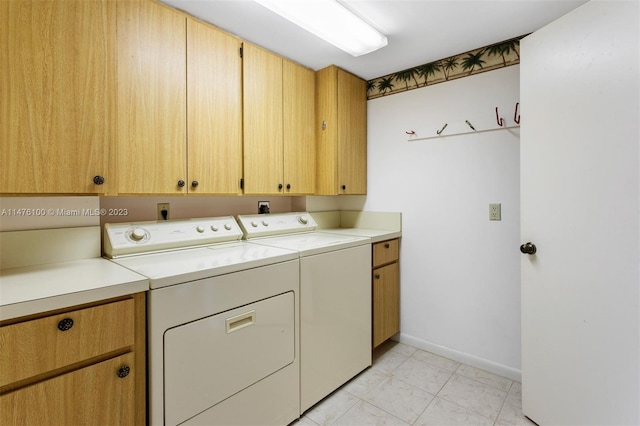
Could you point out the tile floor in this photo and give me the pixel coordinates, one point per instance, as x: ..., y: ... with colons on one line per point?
x: 408, y: 386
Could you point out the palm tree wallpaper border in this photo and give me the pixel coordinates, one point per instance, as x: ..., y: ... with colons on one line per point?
x: 499, y: 55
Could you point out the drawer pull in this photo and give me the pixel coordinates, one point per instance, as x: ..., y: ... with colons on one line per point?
x: 377, y: 276
x: 123, y: 371
x: 65, y: 324
x: 240, y: 321
x: 387, y: 245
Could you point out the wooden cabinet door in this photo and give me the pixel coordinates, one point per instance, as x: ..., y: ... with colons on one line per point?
x: 386, y: 303
x: 341, y: 125
x: 151, y: 99
x: 57, y: 96
x: 91, y: 395
x: 352, y: 134
x: 214, y: 110
x: 262, y: 99
x: 299, y: 143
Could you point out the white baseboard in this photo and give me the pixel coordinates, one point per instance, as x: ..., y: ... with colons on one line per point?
x: 465, y: 358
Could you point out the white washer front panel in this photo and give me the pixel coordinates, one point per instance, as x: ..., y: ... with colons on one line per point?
x: 180, y: 266
x: 311, y: 243
x: 209, y: 360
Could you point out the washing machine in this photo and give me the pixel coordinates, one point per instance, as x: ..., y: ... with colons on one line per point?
x: 222, y: 321
x: 335, y: 298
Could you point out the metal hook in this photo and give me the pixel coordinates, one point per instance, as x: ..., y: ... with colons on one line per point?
x: 410, y: 132
x: 499, y: 119
x: 516, y: 116
x: 443, y: 127
x: 469, y: 124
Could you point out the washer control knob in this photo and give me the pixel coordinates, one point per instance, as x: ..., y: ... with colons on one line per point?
x: 303, y: 220
x: 200, y: 229
x: 265, y: 223
x: 214, y: 228
x: 254, y: 223
x: 138, y: 234
x: 227, y: 227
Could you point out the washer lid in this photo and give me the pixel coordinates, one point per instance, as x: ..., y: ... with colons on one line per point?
x: 180, y: 266
x: 310, y: 243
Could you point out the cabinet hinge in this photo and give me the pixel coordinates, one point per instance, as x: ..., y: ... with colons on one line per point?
x: 241, y: 52
x: 241, y: 183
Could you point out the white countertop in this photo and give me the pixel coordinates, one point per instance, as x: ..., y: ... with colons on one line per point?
x: 33, y: 289
x: 376, y: 235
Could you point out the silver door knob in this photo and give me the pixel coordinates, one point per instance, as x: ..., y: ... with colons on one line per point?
x: 528, y: 248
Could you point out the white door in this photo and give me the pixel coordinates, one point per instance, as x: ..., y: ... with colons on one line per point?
x: 580, y: 206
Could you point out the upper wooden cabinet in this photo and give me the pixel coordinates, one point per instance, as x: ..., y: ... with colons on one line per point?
x: 152, y: 145
x: 342, y: 132
x: 57, y: 96
x: 214, y: 110
x: 279, y: 138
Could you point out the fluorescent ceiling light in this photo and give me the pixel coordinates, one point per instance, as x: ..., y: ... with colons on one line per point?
x: 330, y: 21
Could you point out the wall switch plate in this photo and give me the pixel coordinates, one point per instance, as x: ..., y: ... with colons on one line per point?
x: 162, y: 208
x: 495, y: 212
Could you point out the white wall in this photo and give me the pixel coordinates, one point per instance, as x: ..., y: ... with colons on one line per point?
x: 460, y: 272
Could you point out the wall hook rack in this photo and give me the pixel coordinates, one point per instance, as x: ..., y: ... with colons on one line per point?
x: 516, y: 116
x: 443, y: 127
x: 499, y: 119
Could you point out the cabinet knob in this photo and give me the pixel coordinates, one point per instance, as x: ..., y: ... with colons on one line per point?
x: 279, y: 186
x: 194, y: 183
x: 387, y: 245
x: 377, y: 276
x: 180, y: 183
x: 288, y: 186
x: 65, y: 324
x: 123, y: 371
x: 98, y: 180
x: 344, y: 187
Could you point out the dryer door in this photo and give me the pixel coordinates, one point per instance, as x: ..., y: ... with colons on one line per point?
x: 208, y: 360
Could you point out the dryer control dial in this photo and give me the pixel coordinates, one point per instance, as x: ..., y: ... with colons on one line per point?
x: 200, y: 229
x: 137, y: 234
x: 303, y: 220
x: 227, y: 227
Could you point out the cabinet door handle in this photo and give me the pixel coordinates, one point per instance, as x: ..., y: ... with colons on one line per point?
x: 98, y: 180
x: 194, y: 183
x: 180, y: 183
x: 344, y: 187
x: 123, y: 371
x: 377, y: 276
x: 288, y: 186
x: 279, y: 186
x: 65, y: 324
x: 387, y: 245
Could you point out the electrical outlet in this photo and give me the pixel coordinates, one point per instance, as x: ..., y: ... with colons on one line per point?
x: 162, y: 208
x: 495, y: 212
x: 263, y: 207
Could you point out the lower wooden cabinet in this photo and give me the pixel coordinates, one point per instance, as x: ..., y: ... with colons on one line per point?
x: 386, y: 291
x: 83, y: 365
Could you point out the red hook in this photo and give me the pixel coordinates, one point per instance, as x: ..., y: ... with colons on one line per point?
x: 516, y: 116
x: 499, y: 119
x: 410, y: 132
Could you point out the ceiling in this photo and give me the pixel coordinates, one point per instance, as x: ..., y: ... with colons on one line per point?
x: 419, y: 31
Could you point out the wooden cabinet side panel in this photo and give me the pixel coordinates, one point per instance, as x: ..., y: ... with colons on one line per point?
x: 299, y: 142
x: 34, y: 347
x: 92, y: 395
x: 326, y: 139
x: 352, y: 133
x: 386, y: 303
x: 151, y: 98
x: 57, y: 96
x: 262, y: 100
x: 214, y: 110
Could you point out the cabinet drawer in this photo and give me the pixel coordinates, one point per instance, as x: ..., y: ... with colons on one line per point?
x: 101, y: 394
x: 385, y: 252
x: 37, y: 346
